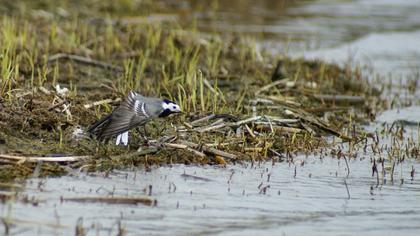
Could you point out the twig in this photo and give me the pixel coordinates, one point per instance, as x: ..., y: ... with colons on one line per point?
x: 105, y: 101
x: 326, y: 109
x: 10, y: 186
x: 202, y: 119
x: 280, y: 129
x: 284, y: 121
x: 269, y: 86
x: 253, y: 149
x: 183, y: 146
x: 84, y: 60
x: 188, y: 125
x: 223, y: 144
x: 210, y: 128
x: 261, y: 100
x: 305, y: 116
x: 246, y: 121
x: 250, y: 131
x: 347, y: 188
x: 48, y: 159
x: 193, y: 177
x: 114, y: 200
x: 392, y: 172
x: 284, y: 100
x: 347, y: 164
x: 276, y: 153
x: 208, y: 85
x: 271, y: 124
x: 209, y: 150
x: 339, y: 98
x: 62, y: 102
x: 44, y: 90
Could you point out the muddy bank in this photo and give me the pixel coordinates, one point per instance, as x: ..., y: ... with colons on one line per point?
x: 62, y: 72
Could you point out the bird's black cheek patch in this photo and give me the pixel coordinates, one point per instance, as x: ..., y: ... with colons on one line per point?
x: 165, y: 113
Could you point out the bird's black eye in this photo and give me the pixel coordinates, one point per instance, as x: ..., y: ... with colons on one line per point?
x: 173, y: 107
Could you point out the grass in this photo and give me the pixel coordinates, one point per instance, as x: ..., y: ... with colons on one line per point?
x: 203, y: 74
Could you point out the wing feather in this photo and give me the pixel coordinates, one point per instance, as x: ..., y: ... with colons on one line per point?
x: 129, y: 114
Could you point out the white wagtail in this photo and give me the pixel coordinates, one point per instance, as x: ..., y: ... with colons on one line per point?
x: 135, y: 111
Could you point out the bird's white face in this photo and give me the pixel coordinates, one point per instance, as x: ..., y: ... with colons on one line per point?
x: 171, y: 106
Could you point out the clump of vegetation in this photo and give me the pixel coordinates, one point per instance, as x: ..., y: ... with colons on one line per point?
x: 62, y: 68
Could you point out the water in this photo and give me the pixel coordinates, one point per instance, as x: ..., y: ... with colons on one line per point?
x: 231, y: 201
x: 382, y: 33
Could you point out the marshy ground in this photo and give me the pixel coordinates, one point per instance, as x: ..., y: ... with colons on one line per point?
x: 240, y: 103
x: 266, y: 140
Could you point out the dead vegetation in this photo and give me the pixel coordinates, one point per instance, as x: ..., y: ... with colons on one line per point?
x: 61, y: 72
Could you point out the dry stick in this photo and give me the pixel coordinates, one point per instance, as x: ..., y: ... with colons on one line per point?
x: 44, y: 90
x: 15, y: 221
x: 347, y: 188
x: 223, y: 144
x: 339, y: 98
x: 202, y: 119
x: 219, y: 121
x: 210, y: 128
x: 84, y: 60
x: 250, y: 131
x: 320, y: 124
x: 188, y: 125
x: 246, y: 121
x: 208, y: 85
x: 271, y: 125
x: 183, y: 146
x: 348, y: 168
x: 10, y: 186
x: 280, y: 120
x: 276, y: 153
x: 280, y: 129
x: 105, y: 101
x: 272, y: 118
x: 253, y: 149
x: 326, y: 109
x: 392, y: 172
x: 209, y: 150
x: 267, y: 87
x: 193, y: 177
x: 113, y: 200
x: 285, y: 100
x: 48, y: 159
x: 62, y: 102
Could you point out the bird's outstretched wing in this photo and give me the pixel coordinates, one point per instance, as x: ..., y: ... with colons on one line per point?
x: 131, y: 113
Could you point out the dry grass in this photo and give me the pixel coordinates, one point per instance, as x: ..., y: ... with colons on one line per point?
x: 103, y: 53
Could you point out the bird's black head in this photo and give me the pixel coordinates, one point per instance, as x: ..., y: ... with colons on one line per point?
x: 169, y: 107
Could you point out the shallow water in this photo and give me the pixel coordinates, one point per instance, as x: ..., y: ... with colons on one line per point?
x: 383, y: 34
x: 230, y: 201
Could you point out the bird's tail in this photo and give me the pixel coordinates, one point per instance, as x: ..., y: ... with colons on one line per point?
x: 99, y: 126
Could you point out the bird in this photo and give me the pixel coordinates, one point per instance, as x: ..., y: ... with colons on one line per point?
x: 135, y: 111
